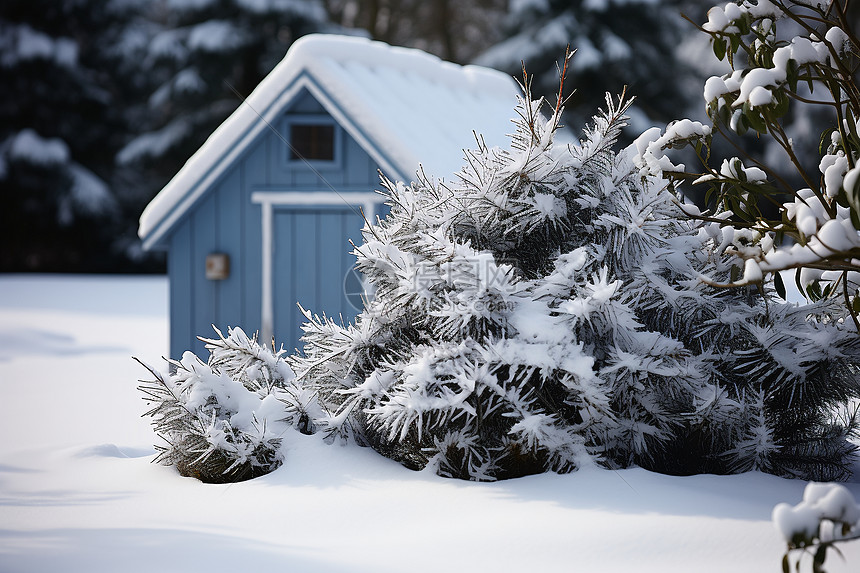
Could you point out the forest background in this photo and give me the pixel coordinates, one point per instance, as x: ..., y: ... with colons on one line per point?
x: 103, y: 101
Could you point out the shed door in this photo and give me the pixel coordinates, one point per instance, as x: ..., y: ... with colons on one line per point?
x: 313, y: 265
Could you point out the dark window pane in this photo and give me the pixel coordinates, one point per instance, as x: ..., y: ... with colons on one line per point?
x: 312, y: 142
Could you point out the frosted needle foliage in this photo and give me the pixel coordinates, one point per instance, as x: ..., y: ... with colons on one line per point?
x: 223, y: 421
x: 541, y: 311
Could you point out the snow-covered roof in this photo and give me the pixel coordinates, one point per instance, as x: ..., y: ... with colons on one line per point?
x: 403, y: 106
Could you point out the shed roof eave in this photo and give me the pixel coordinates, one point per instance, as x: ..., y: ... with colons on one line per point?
x: 209, y: 163
x: 188, y: 186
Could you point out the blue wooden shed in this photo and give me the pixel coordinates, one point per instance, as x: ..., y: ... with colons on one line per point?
x: 260, y: 218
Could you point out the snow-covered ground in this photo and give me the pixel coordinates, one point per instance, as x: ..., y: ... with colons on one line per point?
x: 78, y: 492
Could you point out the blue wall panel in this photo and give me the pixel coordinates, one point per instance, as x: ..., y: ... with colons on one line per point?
x: 254, y: 163
x: 251, y: 167
x: 313, y: 266
x: 359, y: 168
x: 306, y: 103
x: 305, y: 255
x: 311, y: 260
x: 331, y: 270
x: 230, y: 225
x: 179, y: 271
x: 205, y: 295
x: 302, y: 178
x: 286, y: 314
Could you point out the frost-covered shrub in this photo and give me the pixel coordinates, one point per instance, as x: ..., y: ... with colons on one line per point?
x: 223, y: 421
x: 542, y: 311
x: 827, y: 516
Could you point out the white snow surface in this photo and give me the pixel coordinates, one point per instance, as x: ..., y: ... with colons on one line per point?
x: 79, y: 494
x: 407, y: 108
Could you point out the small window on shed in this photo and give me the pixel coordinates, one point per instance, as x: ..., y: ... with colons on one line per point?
x: 312, y: 142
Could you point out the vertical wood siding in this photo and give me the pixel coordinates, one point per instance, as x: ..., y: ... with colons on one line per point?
x: 311, y: 250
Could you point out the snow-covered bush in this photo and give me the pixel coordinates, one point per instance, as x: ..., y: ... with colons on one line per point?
x: 785, y: 56
x: 223, y: 421
x: 543, y: 311
x: 827, y: 515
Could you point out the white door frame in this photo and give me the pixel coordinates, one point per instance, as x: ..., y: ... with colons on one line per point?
x: 368, y: 201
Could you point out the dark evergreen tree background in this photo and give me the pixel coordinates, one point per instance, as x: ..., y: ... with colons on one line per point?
x: 454, y: 30
x: 633, y: 43
x: 199, y: 59
x: 61, y: 123
x: 102, y: 101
